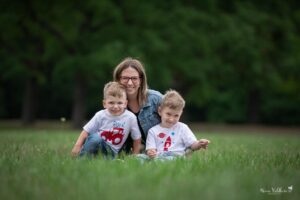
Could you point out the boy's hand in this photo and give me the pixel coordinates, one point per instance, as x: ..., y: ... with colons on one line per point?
x: 203, y: 143
x: 151, y: 153
x: 75, y: 151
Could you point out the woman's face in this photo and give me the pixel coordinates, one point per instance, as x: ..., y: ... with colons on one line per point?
x: 130, y: 78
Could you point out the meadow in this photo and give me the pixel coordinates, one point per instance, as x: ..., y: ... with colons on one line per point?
x: 36, y: 164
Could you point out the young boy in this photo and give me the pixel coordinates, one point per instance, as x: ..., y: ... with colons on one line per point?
x: 109, y: 128
x: 171, y: 138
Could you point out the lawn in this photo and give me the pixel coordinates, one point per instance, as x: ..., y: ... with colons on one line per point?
x: 35, y: 164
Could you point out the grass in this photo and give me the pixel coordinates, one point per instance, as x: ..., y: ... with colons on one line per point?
x: 35, y: 164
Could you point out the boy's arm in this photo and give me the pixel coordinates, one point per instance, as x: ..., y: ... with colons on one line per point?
x: 203, y: 143
x: 151, y: 148
x: 78, y: 145
x: 136, y: 146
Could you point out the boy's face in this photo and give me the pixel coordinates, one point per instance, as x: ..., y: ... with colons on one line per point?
x: 115, y: 105
x: 169, y: 117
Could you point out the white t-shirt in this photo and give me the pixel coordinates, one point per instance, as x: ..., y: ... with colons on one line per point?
x: 114, y: 129
x: 175, y: 139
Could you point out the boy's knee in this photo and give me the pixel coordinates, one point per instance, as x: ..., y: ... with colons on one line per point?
x: 94, y: 139
x: 91, y: 145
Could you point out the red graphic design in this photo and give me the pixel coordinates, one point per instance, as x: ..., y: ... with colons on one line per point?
x: 115, y: 136
x: 167, y: 144
x: 161, y: 135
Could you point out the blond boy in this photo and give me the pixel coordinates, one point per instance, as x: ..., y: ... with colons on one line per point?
x: 171, y: 138
x: 109, y: 128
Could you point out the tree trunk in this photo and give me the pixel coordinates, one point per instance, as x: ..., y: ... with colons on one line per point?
x: 29, y: 102
x: 254, y: 106
x: 79, y: 100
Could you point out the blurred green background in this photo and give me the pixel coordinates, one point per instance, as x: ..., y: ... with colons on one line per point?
x: 233, y: 61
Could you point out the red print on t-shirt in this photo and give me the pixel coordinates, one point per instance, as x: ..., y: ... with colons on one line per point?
x: 115, y: 136
x: 161, y: 135
x: 167, y: 144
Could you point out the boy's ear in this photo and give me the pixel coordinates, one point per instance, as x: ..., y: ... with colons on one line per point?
x: 159, y: 110
x: 103, y: 103
x: 126, y: 102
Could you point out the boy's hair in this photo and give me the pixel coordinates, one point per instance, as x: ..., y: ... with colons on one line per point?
x: 173, y: 100
x: 114, y: 89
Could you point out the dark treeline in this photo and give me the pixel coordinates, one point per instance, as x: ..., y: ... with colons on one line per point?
x: 233, y: 61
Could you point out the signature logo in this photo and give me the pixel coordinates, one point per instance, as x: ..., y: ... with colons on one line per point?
x: 277, y: 190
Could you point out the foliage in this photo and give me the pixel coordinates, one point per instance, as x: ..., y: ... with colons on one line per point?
x: 234, y: 62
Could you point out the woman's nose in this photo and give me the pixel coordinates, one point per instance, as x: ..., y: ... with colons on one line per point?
x: 130, y: 82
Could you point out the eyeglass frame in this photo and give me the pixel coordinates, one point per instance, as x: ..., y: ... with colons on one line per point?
x: 130, y: 78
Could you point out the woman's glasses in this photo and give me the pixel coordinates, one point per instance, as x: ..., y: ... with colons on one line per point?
x: 125, y: 79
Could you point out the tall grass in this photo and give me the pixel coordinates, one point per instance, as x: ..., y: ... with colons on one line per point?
x: 36, y: 164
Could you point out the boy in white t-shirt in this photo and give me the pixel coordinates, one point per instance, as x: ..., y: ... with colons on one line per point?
x: 109, y: 128
x: 171, y: 138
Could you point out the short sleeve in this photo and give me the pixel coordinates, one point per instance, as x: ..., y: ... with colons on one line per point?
x: 93, y: 124
x: 134, y: 130
x: 188, y: 137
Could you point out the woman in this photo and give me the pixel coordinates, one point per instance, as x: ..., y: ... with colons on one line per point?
x: 142, y: 101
